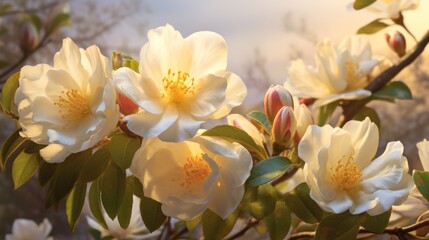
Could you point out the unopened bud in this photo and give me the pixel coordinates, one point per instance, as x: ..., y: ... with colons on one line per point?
x: 397, y: 43
x: 304, y: 118
x: 284, y: 126
x: 116, y: 60
x: 275, y: 98
x: 29, y: 37
x: 126, y: 106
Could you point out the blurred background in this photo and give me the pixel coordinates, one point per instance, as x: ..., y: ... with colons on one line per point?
x: 262, y: 39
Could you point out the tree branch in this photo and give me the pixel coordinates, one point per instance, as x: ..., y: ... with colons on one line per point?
x: 350, y: 108
x: 240, y: 233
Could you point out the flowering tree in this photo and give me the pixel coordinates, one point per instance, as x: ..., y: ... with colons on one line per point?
x: 125, y: 136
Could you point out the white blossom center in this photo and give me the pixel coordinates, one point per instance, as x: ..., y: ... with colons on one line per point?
x: 178, y: 85
x: 346, y: 175
x: 196, y: 170
x: 72, y: 105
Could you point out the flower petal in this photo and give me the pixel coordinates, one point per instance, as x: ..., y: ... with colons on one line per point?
x: 185, y: 127
x: 69, y: 59
x: 423, y: 148
x: 226, y: 199
x: 209, y: 53
x: 32, y: 81
x: 353, y: 95
x: 182, y: 210
x: 54, y: 153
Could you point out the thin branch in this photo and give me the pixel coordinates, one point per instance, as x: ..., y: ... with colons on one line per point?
x: 240, y: 233
x: 352, y: 107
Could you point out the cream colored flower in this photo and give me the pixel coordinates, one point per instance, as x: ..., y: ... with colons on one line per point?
x: 393, y: 8
x: 340, y: 72
x: 69, y: 107
x: 342, y: 175
x: 239, y: 121
x: 24, y: 229
x: 303, y: 117
x: 191, y: 176
x: 136, y: 229
x: 182, y: 83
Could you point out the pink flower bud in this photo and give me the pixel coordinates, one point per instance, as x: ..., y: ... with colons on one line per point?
x: 29, y: 37
x: 397, y: 43
x: 126, y: 106
x: 275, y: 98
x: 284, y: 126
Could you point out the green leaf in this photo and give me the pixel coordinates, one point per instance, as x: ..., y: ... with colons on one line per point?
x: 325, y: 113
x: 23, y: 168
x: 214, y: 227
x: 95, y: 203
x: 46, y: 172
x: 377, y: 224
x: 10, y: 149
x: 279, y: 221
x: 261, y: 119
x: 368, y: 112
x: 268, y: 170
x: 112, y: 188
x: 193, y: 223
x: 123, y: 148
x: 96, y: 165
x: 372, y: 27
x: 300, y: 203
x: 74, y: 204
x: 234, y: 134
x: 132, y: 63
x: 137, y: 187
x: 151, y: 213
x: 421, y: 180
x: 342, y: 226
x: 359, y: 4
x: 124, y: 214
x: 396, y: 89
x: 60, y: 20
x: 8, y: 94
x: 66, y: 175
x: 260, y: 201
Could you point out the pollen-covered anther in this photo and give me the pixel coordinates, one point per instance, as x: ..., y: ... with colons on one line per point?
x: 352, y: 71
x: 177, y: 85
x: 72, y: 105
x: 346, y: 175
x: 196, y: 170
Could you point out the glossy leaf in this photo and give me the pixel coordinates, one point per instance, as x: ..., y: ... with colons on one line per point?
x: 342, y: 226
x: 192, y: 224
x: 377, y: 224
x: 214, y: 227
x: 261, y: 119
x: 74, y: 204
x: 372, y: 27
x: 113, y: 189
x: 124, y: 214
x: 95, y: 203
x: 368, y: 112
x: 261, y: 201
x: 421, y: 180
x: 8, y: 94
x: 234, y: 134
x: 137, y: 187
x: 396, y: 89
x: 23, y: 168
x: 279, y: 221
x: 10, y: 149
x: 96, y: 165
x: 360, y: 4
x: 300, y: 203
x: 122, y: 149
x: 46, y: 172
x: 151, y: 213
x: 268, y: 170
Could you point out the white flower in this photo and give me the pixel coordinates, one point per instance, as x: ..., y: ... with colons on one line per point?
x: 24, y: 229
x: 136, y: 229
x: 303, y: 117
x: 69, y: 107
x: 237, y: 120
x: 342, y: 175
x: 408, y: 212
x: 393, y: 8
x: 182, y: 83
x: 191, y: 176
x: 340, y: 72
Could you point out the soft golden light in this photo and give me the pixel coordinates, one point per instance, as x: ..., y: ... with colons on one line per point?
x: 177, y: 85
x: 72, y: 105
x: 196, y: 170
x: 346, y: 175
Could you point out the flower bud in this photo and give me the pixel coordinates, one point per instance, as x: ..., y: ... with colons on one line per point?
x: 29, y: 37
x: 304, y: 118
x: 284, y: 126
x: 275, y: 98
x: 397, y: 43
x: 116, y: 60
x: 126, y: 106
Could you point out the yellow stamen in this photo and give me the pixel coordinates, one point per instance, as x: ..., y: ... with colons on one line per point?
x: 352, y: 71
x: 177, y: 85
x: 72, y: 105
x: 196, y: 170
x: 346, y: 176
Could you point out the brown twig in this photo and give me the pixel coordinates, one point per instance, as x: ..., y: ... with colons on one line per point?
x: 240, y: 233
x: 350, y: 108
